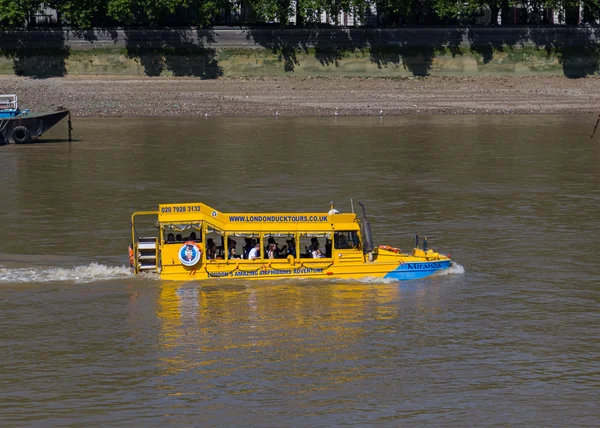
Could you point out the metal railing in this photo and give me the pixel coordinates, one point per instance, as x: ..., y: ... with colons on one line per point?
x: 8, y: 102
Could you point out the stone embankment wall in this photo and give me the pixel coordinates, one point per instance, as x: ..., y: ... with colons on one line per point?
x: 448, y: 51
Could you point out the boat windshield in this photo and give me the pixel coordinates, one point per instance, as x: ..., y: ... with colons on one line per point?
x: 346, y: 240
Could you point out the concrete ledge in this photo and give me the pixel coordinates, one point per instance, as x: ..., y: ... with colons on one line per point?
x: 573, y: 52
x: 250, y: 37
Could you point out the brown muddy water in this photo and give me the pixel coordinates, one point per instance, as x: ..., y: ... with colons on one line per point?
x: 509, y: 336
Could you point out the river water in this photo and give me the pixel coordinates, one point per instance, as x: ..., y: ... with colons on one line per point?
x: 508, y: 336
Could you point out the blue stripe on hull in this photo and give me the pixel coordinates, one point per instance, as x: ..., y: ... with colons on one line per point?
x: 417, y: 270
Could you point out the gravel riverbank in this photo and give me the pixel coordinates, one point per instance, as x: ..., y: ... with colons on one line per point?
x: 303, y: 96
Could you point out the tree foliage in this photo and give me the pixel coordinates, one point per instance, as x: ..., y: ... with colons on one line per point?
x: 79, y: 13
x: 88, y: 13
x: 163, y: 12
x: 13, y: 13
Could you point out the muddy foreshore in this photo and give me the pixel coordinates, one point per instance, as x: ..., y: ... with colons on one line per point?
x: 306, y: 96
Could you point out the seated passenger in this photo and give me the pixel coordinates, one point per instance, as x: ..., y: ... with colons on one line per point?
x: 178, y: 238
x: 279, y: 252
x: 170, y: 238
x: 211, y: 249
x: 249, y: 245
x: 231, y: 244
x: 270, y: 241
x: 254, y: 253
x: 220, y: 250
x: 192, y: 236
x: 291, y: 247
x: 272, y: 253
x: 313, y: 242
x: 316, y: 253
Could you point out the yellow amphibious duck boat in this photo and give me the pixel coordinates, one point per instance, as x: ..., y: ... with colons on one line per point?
x: 195, y: 241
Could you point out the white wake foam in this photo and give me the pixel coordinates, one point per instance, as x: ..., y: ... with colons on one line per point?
x: 454, y: 269
x: 78, y: 274
x: 97, y: 272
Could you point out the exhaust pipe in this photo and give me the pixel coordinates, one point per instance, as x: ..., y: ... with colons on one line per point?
x: 367, y: 235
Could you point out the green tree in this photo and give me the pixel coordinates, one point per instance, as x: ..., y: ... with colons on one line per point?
x: 270, y: 10
x: 591, y: 10
x: 15, y: 13
x: 80, y: 13
x: 157, y: 12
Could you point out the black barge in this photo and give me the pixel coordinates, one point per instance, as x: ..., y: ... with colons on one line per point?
x: 22, y: 127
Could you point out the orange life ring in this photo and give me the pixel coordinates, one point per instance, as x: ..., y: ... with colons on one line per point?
x: 192, y: 258
x: 131, y: 258
x: 388, y: 248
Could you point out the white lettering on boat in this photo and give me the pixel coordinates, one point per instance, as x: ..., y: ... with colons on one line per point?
x: 296, y: 271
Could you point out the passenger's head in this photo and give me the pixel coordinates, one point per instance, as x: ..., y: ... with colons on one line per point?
x: 178, y: 237
x: 193, y: 235
x: 271, y: 240
x: 170, y: 237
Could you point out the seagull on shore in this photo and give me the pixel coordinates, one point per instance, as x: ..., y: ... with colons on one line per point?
x: 277, y: 113
x: 205, y: 114
x: 380, y: 112
x: 336, y: 112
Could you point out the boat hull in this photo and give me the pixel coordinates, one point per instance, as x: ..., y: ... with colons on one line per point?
x: 12, y: 130
x: 417, y: 270
x: 309, y: 269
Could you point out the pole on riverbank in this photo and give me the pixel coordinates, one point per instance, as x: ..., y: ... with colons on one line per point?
x: 595, y: 126
x: 70, y: 127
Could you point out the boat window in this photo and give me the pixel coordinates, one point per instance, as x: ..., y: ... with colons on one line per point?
x: 178, y: 233
x: 244, y: 242
x: 234, y: 248
x: 346, y: 240
x: 214, y: 244
x: 315, y: 245
x: 281, y: 245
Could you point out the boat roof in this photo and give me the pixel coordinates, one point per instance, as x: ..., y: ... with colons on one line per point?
x: 256, y: 222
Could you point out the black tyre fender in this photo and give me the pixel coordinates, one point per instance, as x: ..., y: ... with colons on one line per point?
x: 20, y: 135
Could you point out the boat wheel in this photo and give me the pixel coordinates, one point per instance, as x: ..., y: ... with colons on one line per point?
x: 21, y: 135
